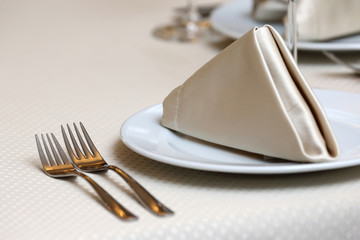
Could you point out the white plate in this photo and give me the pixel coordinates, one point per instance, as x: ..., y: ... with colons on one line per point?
x: 233, y: 20
x: 143, y: 133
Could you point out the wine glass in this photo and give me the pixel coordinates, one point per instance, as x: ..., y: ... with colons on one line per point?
x: 292, y: 28
x: 188, y: 27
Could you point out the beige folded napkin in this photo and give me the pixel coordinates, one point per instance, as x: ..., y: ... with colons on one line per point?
x: 327, y: 19
x: 252, y: 97
x: 269, y: 10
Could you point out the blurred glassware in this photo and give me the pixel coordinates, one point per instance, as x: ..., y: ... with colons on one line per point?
x: 190, y: 25
x: 292, y: 29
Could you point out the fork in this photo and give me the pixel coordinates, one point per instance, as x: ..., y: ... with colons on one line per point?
x: 92, y: 161
x: 338, y: 60
x: 62, y: 167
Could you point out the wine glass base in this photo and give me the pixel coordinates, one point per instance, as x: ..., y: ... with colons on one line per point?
x: 188, y: 32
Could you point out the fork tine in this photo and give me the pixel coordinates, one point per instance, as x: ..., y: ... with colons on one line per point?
x: 54, y: 153
x: 43, y: 159
x: 67, y: 144
x: 83, y: 145
x: 50, y: 158
x: 62, y: 154
x: 76, y: 146
x: 89, y: 141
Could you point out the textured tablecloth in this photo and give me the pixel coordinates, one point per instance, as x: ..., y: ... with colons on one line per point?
x: 98, y: 62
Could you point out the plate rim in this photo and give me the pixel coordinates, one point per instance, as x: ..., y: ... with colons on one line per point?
x: 291, y: 168
x: 302, y: 45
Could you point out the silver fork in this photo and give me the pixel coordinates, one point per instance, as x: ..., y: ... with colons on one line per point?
x: 338, y: 60
x: 92, y: 161
x: 62, y: 167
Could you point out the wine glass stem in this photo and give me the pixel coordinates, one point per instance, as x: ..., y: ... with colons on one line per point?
x: 292, y: 29
x: 192, y: 11
x: 191, y: 27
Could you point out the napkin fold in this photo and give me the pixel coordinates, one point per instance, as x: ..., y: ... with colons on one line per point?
x: 269, y: 10
x: 320, y: 20
x: 252, y: 97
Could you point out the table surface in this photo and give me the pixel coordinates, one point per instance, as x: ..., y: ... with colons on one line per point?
x: 98, y: 62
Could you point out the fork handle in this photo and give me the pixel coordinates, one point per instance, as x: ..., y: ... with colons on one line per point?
x: 149, y: 201
x: 110, y: 203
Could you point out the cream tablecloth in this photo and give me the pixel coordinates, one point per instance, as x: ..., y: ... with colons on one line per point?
x: 97, y: 62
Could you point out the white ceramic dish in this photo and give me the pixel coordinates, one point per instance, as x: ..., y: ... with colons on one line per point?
x: 143, y: 133
x: 233, y: 20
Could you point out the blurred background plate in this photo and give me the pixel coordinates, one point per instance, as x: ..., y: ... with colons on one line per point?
x: 233, y: 19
